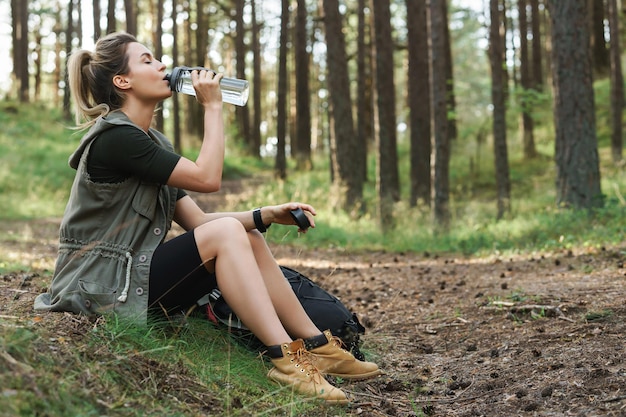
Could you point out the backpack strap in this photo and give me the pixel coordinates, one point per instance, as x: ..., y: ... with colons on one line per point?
x: 217, y: 311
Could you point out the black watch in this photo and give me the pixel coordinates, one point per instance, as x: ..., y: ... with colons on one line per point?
x: 258, y: 221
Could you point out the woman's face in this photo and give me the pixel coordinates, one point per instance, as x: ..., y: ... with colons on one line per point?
x: 146, y: 75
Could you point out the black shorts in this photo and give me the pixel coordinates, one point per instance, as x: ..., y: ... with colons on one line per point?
x: 178, y: 277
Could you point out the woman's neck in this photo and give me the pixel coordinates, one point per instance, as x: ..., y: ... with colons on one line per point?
x: 139, y: 114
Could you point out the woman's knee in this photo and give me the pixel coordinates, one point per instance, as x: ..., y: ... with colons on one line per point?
x: 221, y: 231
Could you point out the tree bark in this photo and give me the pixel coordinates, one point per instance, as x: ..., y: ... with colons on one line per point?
x: 197, y: 55
x: 176, y: 97
x: 419, y: 102
x: 576, y: 153
x: 111, y: 21
x: 280, y: 168
x: 441, y: 140
x: 69, y: 31
x: 97, y: 29
x: 528, y: 138
x: 157, y: 13
x: 201, y: 35
x: 242, y: 113
x: 131, y: 17
x: 301, y: 143
x: 78, y: 30
x: 19, y: 17
x: 37, y: 62
x: 503, y: 183
x: 388, y: 183
x: 348, y: 181
x: 450, y: 97
x: 537, y: 48
x: 364, y: 84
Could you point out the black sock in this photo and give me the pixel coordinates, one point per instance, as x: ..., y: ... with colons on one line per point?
x: 315, y: 341
x: 274, y: 352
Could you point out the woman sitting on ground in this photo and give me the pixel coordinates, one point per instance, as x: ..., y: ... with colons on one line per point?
x: 129, y: 187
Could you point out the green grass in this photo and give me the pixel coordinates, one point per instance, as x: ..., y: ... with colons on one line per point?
x: 113, y: 368
x: 534, y: 223
x: 35, y: 144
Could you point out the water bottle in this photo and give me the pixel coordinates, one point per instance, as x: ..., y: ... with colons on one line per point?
x: 234, y: 90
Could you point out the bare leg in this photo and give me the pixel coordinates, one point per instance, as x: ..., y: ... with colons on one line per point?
x: 239, y: 278
x: 287, y: 306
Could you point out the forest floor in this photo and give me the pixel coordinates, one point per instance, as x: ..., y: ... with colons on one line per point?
x: 540, y: 334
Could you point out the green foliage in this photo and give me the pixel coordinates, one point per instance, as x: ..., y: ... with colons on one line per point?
x: 34, y: 175
x: 531, y: 101
x: 602, y: 93
x: 534, y: 224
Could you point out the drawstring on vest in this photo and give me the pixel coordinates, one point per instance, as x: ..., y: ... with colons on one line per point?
x: 122, y: 298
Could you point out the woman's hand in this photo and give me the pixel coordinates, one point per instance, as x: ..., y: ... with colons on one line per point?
x: 207, y: 86
x: 281, y: 214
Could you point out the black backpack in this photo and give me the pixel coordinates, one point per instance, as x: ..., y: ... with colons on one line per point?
x: 324, y: 309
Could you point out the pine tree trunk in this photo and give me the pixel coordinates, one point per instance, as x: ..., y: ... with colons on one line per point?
x: 388, y: 183
x: 97, y: 29
x: 175, y: 97
x: 450, y: 97
x: 69, y: 30
x: 441, y: 142
x: 19, y: 17
x: 364, y: 83
x: 503, y: 183
x: 111, y: 21
x: 242, y: 112
x: 576, y: 153
x: 537, y: 49
x: 131, y: 17
x: 528, y: 139
x: 419, y: 102
x: 347, y: 180
x: 157, y: 12
x: 280, y: 167
x: 301, y: 143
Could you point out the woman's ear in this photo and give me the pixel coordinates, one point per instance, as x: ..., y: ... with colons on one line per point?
x: 121, y: 82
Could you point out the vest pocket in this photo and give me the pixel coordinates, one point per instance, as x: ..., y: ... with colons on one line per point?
x: 97, y: 298
x: 145, y: 200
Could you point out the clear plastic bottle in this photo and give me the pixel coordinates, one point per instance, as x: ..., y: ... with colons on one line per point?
x: 234, y: 90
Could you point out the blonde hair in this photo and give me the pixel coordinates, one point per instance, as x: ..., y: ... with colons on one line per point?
x: 90, y: 76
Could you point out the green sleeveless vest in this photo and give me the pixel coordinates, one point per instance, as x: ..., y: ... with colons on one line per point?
x: 107, y: 237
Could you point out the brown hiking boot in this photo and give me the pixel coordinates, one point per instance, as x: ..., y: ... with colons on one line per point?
x: 295, y: 369
x: 331, y: 359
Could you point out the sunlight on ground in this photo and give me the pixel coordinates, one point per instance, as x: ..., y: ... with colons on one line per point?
x: 29, y: 244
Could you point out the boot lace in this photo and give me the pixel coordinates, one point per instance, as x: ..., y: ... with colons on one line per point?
x: 336, y: 341
x: 303, y: 361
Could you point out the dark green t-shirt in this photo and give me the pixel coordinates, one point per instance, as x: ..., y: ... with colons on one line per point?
x: 125, y: 151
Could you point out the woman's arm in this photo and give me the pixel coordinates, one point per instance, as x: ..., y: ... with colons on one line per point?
x: 205, y: 174
x: 189, y: 215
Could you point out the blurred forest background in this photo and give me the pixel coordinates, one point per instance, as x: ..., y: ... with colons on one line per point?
x: 404, y: 86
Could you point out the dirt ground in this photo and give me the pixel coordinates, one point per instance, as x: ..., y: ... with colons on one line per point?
x: 539, y: 334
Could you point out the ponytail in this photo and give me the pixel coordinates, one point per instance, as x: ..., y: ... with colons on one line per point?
x: 91, y: 75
